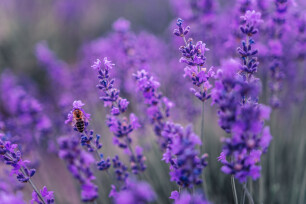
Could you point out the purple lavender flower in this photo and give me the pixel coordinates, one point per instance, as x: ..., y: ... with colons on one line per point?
x: 103, y: 164
x: 12, y: 156
x: 249, y: 140
x: 182, y: 155
x: 58, y: 72
x: 89, y: 192
x: 121, y: 169
x: 11, y: 198
x: 200, y: 14
x: 193, y: 55
x: 250, y: 22
x: 120, y: 126
x: 121, y: 25
x: 178, y: 144
x: 90, y: 141
x: 78, y: 163
x: 277, y: 70
x: 158, y: 105
x: 187, y: 198
x: 236, y: 92
x: 138, y: 162
x: 135, y: 192
x: 47, y: 196
x: 22, y: 111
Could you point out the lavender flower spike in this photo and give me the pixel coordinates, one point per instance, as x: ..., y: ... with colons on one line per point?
x: 120, y: 125
x: 193, y: 55
x: 158, y: 106
x: 78, y: 163
x: 182, y: 155
x: 135, y: 192
x: 186, y: 198
x: 12, y: 156
x: 236, y: 92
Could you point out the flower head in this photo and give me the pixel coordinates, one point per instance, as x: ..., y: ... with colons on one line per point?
x: 186, y: 198
x: 135, y: 192
x: 48, y: 196
x: 250, y: 22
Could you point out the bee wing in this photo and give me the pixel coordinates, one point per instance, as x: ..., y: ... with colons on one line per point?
x: 73, y: 122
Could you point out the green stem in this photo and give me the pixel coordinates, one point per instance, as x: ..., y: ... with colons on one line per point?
x: 243, y: 196
x: 234, y: 189
x: 248, y: 194
x: 36, y: 190
x: 272, y: 156
x: 251, y: 186
x: 202, y: 128
x: 31, y: 182
x: 202, y: 151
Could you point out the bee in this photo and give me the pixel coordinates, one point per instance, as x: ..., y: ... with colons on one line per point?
x: 79, y: 120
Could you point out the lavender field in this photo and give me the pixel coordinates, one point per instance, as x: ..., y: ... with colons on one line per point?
x: 164, y: 101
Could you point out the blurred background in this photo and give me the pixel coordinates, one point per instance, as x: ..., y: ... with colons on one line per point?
x: 46, y: 52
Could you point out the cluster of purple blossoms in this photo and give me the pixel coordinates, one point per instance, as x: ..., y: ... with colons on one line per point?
x: 87, y: 137
x: 229, y: 91
x: 121, y: 170
x: 121, y: 127
x: 47, y: 195
x: 201, y: 13
x: 178, y: 144
x: 182, y: 155
x: 249, y: 27
x: 134, y: 192
x: 87, y: 140
x: 187, y: 198
x: 236, y: 93
x: 110, y: 96
x: 78, y: 162
x: 58, y: 74
x: 10, y: 188
x: 12, y: 156
x: 19, y: 111
x: 103, y: 164
x: 193, y: 55
x: 277, y: 69
x: 158, y: 106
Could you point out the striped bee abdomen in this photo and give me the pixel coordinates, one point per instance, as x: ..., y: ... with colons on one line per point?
x: 80, y: 125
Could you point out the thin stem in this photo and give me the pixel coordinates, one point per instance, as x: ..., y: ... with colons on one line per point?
x: 202, y: 128
x: 248, y: 194
x: 30, y: 181
x: 96, y: 150
x: 202, y: 151
x: 131, y: 150
x: 37, y: 192
x: 251, y: 186
x: 272, y: 157
x: 243, y: 196
x: 185, y: 41
x: 133, y: 154
x: 234, y: 189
